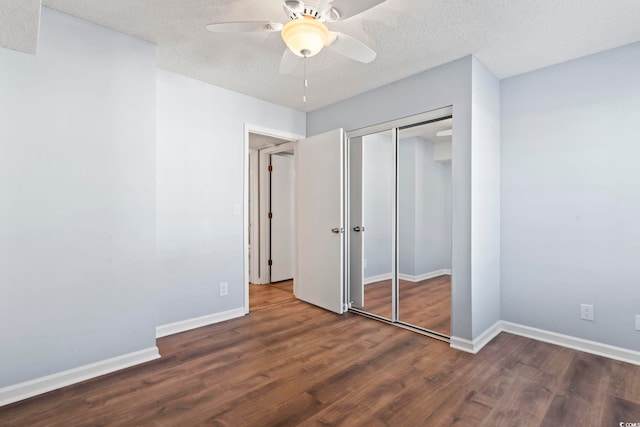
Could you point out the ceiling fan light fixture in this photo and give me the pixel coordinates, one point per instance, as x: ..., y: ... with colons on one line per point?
x: 305, y: 36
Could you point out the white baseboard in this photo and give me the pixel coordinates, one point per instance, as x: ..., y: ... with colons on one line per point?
x: 425, y: 276
x: 580, y: 344
x: 479, y: 342
x: 593, y: 347
x: 378, y: 278
x: 407, y: 277
x: 58, y: 380
x: 197, y: 322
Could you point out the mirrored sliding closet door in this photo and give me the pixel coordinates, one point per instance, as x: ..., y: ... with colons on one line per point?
x: 424, y: 226
x: 372, y: 183
x: 399, y: 199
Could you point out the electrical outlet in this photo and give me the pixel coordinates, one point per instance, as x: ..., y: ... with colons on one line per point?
x: 637, y: 322
x: 224, y: 289
x: 586, y: 312
x: 364, y: 263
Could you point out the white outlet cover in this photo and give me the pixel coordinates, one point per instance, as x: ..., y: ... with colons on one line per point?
x: 224, y: 289
x: 586, y: 312
x: 637, y: 322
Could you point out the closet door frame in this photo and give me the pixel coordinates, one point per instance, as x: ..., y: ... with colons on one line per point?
x: 394, y: 126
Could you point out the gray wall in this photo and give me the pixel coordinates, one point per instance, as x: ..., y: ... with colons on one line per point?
x: 571, y: 197
x: 378, y: 192
x: 91, y: 200
x: 425, y: 209
x: 77, y: 199
x: 433, y: 211
x: 407, y: 207
x: 200, y: 175
x: 485, y: 198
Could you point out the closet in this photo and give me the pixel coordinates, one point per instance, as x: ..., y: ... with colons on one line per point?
x: 399, y: 224
x: 374, y: 235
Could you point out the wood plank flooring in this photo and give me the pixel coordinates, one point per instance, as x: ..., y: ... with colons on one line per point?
x: 426, y: 304
x: 263, y: 296
x: 294, y: 364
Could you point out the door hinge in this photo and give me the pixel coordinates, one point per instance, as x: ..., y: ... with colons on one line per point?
x: 270, y: 215
x: 270, y: 168
x: 270, y: 262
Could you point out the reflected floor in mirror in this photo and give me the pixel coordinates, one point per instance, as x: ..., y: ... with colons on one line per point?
x: 425, y: 304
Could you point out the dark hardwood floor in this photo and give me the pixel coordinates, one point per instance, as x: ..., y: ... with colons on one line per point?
x: 294, y: 364
x: 426, y: 304
x: 263, y: 296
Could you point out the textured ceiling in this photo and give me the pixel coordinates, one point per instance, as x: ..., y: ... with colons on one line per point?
x: 509, y: 36
x: 19, y: 22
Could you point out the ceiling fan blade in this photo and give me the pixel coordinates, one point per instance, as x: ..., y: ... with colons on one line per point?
x: 349, y: 8
x: 351, y: 48
x: 322, y: 5
x: 288, y: 62
x: 294, y: 6
x: 244, y: 27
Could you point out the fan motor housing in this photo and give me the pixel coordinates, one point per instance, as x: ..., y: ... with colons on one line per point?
x: 306, y: 11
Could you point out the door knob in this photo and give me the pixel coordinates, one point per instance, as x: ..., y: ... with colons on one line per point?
x: 337, y: 230
x: 358, y: 229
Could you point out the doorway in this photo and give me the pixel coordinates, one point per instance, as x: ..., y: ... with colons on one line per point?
x: 281, y: 217
x: 266, y: 151
x: 277, y: 221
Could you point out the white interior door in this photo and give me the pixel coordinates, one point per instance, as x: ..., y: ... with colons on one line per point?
x: 282, y: 220
x: 356, y: 272
x: 320, y: 220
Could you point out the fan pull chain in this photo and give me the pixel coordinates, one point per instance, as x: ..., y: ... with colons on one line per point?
x: 306, y: 83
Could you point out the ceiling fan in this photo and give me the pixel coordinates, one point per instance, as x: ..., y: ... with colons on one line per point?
x: 306, y: 32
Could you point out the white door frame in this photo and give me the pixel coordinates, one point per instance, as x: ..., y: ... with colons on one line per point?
x: 254, y: 217
x: 249, y: 128
x: 265, y: 196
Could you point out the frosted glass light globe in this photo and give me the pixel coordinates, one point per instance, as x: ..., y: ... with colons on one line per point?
x: 305, y: 36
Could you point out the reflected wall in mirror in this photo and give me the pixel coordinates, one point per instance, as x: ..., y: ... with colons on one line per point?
x: 371, y: 218
x: 424, y: 226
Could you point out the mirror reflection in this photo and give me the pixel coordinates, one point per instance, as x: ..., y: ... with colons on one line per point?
x: 372, y: 193
x: 400, y: 224
x: 424, y: 226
